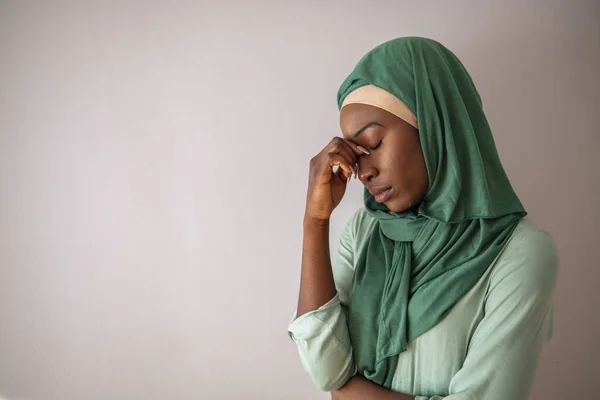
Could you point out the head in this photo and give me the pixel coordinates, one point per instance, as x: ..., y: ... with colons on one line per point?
x: 432, y: 143
x: 395, y: 161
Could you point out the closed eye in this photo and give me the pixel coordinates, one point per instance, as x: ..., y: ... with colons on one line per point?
x: 377, y: 145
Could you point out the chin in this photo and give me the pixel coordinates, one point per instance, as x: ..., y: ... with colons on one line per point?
x: 397, y: 208
x: 400, y: 205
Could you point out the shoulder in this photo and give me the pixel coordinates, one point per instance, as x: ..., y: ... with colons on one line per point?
x: 352, y: 240
x: 361, y: 220
x: 528, y: 265
x: 358, y: 227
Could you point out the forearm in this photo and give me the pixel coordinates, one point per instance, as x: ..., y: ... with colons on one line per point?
x: 359, y: 388
x: 317, y: 286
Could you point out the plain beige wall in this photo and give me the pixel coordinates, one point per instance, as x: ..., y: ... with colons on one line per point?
x: 153, y: 164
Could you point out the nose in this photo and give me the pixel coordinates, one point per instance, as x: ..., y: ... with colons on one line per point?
x: 366, y: 171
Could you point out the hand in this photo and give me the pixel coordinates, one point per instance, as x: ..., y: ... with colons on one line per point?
x: 325, y: 187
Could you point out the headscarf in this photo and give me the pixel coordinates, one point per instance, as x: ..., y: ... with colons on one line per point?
x: 418, y: 263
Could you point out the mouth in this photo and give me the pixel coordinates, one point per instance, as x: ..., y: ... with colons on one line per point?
x: 382, y: 196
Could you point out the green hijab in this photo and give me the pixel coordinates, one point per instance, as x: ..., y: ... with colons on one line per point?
x: 420, y: 262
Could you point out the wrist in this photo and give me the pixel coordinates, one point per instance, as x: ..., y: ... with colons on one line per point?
x: 311, y: 222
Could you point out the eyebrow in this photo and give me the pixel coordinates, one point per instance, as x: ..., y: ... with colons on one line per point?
x: 367, y: 126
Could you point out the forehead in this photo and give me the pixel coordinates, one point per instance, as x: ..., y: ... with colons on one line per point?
x: 355, y: 116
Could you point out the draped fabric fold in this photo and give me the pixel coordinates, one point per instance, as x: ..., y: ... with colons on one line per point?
x: 420, y: 262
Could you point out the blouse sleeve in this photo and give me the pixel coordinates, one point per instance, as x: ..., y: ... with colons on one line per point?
x: 322, y: 335
x: 503, y: 353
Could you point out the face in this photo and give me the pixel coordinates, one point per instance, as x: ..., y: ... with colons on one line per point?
x: 395, y: 165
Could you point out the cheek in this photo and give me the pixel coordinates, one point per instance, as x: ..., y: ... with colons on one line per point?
x: 410, y: 172
x: 401, y: 165
x: 419, y: 178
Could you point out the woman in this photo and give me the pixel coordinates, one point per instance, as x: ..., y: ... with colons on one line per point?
x: 442, y: 288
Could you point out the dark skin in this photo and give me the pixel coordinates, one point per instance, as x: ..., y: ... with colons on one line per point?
x: 395, y: 159
x: 383, y: 151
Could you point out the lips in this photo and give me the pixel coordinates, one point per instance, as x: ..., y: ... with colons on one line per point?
x: 381, y: 194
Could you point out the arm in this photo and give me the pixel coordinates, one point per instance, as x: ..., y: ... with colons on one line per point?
x: 359, y: 388
x: 325, y: 191
x: 320, y: 330
x: 322, y: 334
x: 316, y: 279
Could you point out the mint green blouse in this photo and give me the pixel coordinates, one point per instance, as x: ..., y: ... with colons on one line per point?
x: 486, y: 348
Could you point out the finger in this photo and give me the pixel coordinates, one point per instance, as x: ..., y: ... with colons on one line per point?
x: 344, y: 167
x: 341, y: 145
x: 347, y: 165
x: 357, y: 149
x: 342, y: 174
x: 356, y: 152
x: 349, y: 152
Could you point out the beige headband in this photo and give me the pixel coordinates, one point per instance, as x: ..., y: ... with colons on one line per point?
x: 377, y: 97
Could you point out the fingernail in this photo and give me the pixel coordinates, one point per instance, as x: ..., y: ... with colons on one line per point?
x: 363, y: 149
